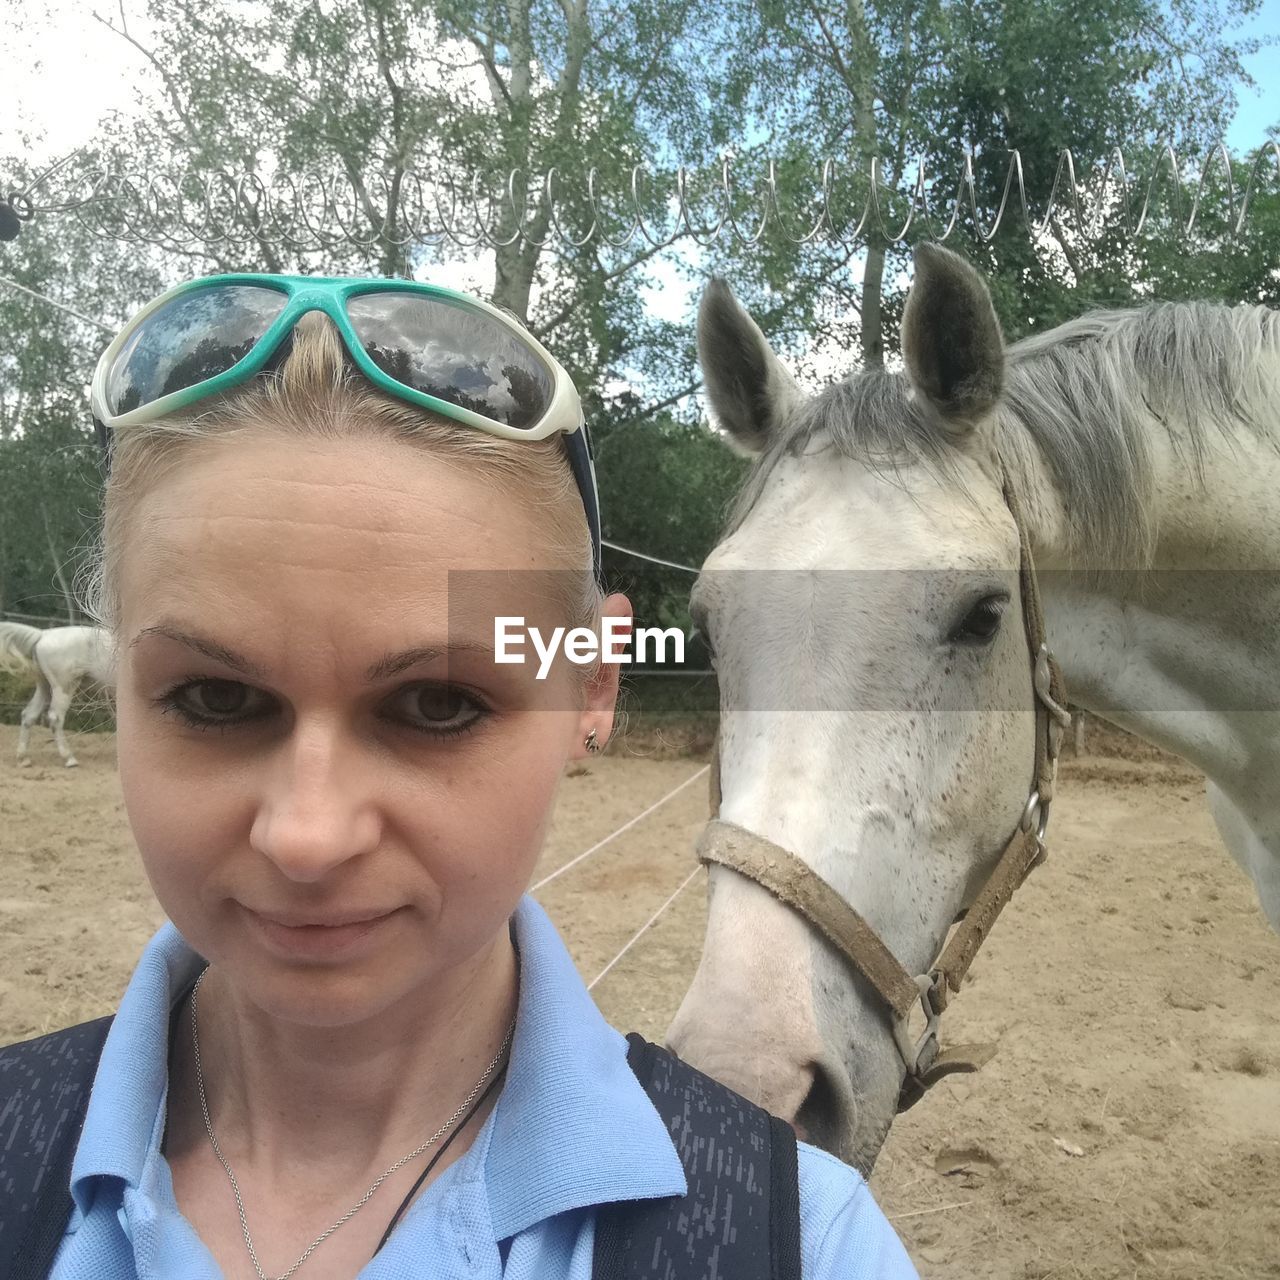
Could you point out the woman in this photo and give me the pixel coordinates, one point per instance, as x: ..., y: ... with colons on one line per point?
x: 322, y: 494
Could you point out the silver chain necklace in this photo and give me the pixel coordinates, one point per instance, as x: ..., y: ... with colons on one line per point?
x: 368, y: 1195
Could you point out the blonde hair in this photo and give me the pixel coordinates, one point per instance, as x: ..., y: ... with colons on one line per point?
x: 318, y: 393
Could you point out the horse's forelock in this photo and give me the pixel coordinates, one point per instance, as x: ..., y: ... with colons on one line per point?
x: 871, y: 417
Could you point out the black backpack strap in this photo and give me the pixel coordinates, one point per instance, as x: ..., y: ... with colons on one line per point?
x: 741, y: 1216
x: 44, y: 1090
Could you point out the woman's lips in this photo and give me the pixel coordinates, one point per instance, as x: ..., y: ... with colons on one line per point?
x: 300, y: 937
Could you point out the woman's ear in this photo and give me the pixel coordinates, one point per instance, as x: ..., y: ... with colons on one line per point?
x: 598, y: 712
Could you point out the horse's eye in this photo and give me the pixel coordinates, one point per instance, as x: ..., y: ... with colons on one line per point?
x: 980, y: 624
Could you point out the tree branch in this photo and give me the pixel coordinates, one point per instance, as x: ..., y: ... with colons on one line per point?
x: 170, y: 87
x: 497, y: 88
x: 613, y: 274
x: 657, y: 407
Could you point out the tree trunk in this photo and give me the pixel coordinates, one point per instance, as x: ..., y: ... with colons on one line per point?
x: 872, y: 311
x: 861, y: 66
x: 516, y: 264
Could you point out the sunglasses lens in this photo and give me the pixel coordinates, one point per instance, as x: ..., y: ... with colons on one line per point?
x: 192, y: 338
x: 455, y: 353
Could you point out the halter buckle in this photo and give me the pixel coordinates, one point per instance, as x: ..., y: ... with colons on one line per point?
x: 918, y: 1054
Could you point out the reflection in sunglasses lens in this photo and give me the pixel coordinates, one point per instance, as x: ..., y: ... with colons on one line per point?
x: 454, y: 353
x: 192, y: 338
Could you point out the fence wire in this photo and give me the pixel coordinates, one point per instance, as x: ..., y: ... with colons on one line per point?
x: 740, y: 201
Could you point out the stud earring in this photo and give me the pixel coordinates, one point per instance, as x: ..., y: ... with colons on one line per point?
x: 592, y: 744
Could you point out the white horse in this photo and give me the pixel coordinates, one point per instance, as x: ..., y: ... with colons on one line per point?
x: 875, y: 683
x: 61, y: 659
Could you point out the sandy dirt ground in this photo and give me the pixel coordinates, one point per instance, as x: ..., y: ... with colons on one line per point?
x: 1129, y: 1125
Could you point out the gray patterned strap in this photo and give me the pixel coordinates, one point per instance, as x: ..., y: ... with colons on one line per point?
x: 741, y: 1216
x: 44, y: 1090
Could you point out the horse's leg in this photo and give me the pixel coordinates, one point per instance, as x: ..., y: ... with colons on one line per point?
x: 31, y: 714
x: 1255, y: 845
x: 61, y: 701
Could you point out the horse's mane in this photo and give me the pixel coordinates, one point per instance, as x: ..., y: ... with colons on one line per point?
x: 1089, y: 394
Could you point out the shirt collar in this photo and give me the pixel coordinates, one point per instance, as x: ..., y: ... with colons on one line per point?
x: 572, y: 1126
x: 132, y: 1081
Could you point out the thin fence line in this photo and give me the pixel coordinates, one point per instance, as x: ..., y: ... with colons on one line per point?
x: 61, y: 306
x: 640, y: 555
x: 34, y: 617
x: 644, y: 928
x: 626, y: 826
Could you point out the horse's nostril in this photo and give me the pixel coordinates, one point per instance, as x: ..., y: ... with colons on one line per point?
x: 818, y: 1116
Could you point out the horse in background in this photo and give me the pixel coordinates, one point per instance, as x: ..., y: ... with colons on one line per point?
x: 61, y: 659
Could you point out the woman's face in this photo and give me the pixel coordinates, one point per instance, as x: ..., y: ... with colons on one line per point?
x: 338, y: 795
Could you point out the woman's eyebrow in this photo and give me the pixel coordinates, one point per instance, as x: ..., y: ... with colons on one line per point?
x: 210, y: 649
x: 394, y: 663
x: 391, y: 664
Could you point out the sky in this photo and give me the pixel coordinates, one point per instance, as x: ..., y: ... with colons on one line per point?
x: 1259, y: 109
x: 47, y: 64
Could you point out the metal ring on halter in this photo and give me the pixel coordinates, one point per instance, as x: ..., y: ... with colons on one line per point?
x: 1037, y: 810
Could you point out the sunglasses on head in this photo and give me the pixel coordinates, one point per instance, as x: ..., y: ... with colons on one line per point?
x: 432, y: 347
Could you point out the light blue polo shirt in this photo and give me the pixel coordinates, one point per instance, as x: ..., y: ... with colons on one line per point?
x: 572, y: 1129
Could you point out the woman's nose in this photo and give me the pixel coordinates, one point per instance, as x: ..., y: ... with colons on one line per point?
x: 317, y: 808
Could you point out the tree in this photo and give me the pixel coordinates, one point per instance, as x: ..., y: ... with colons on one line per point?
x: 1214, y: 262
x: 49, y: 473
x: 410, y: 101
x: 885, y: 81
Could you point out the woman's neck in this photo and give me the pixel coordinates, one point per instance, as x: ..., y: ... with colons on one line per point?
x: 285, y: 1097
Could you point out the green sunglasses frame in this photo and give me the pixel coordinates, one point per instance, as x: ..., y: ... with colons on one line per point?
x: 330, y: 295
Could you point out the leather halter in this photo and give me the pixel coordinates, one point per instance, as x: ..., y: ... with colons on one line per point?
x: 799, y: 887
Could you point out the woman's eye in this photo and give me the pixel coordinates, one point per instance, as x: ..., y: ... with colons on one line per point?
x: 982, y: 621
x: 438, y: 708
x: 205, y: 703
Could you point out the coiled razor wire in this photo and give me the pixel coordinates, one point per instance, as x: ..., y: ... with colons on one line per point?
x: 315, y: 212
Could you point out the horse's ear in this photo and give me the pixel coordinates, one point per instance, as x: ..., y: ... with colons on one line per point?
x: 951, y: 339
x: 751, y: 392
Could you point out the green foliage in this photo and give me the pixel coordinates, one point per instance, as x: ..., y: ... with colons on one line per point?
x: 49, y: 477
x: 665, y: 486
x: 49, y: 488
x: 1217, y: 264
x: 896, y: 81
